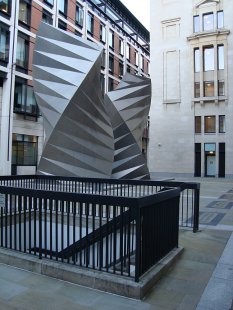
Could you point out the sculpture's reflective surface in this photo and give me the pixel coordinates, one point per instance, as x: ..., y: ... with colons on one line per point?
x: 86, y: 137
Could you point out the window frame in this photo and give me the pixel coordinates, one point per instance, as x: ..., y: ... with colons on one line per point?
x: 203, y: 21
x: 90, y: 17
x: 208, y: 64
x: 195, y: 90
x: 102, y: 33
x: 111, y: 63
x: 223, y: 92
x: 205, y: 90
x: 7, y: 12
x: 5, y: 59
x: 79, y: 20
x: 28, y: 13
x: 64, y: 9
x: 222, y: 19
x: 198, y: 125
x: 49, y: 15
x: 196, y: 57
x: 195, y: 30
x: 26, y: 39
x: 23, y: 106
x: 222, y: 125
x: 220, y: 55
x: 206, y: 125
x: 21, y: 146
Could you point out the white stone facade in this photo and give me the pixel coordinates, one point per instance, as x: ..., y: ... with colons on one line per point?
x: 176, y: 147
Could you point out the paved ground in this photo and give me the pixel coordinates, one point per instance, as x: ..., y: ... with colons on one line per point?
x: 202, y: 279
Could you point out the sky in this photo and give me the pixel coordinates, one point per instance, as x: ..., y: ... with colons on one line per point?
x: 141, y: 9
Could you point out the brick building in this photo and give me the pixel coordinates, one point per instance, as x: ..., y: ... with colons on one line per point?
x: 109, y: 22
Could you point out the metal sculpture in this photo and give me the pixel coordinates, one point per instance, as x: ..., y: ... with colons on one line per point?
x: 85, y: 136
x: 128, y: 107
x: 79, y: 136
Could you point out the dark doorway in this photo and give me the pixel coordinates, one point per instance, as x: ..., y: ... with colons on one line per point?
x: 197, y: 169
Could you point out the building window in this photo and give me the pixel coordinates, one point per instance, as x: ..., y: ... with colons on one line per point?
x: 121, y: 68
x: 24, y: 150
x: 197, y: 90
x: 148, y: 67
x: 210, y: 124
x: 128, y: 69
x: 196, y: 23
x: 62, y: 25
x: 79, y: 16
x: 121, y: 47
x: 208, y: 58
x: 111, y: 63
x: 136, y: 58
x: 220, y: 57
x: 222, y: 125
x: 25, y: 12
x: 111, y: 39
x: 110, y: 84
x: 102, y: 33
x: 47, y: 17
x: 221, y: 88
x: 209, y: 89
x: 142, y: 63
x: 4, y: 43
x: 196, y: 60
x: 90, y: 23
x: 22, y: 51
x: 220, y: 21
x: 128, y: 52
x: 62, y: 6
x: 5, y: 6
x: 208, y: 21
x: 197, y: 124
x: 24, y: 99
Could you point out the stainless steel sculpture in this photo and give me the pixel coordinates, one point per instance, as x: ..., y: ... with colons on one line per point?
x: 79, y: 136
x: 128, y: 107
x: 86, y: 136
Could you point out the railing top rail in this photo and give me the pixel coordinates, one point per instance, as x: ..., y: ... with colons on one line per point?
x: 141, y: 201
x: 182, y: 185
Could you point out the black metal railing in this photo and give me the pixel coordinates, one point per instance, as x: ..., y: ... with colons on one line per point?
x: 112, y: 228
x: 189, y: 198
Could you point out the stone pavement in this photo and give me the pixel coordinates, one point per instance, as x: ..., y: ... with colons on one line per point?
x: 202, y: 279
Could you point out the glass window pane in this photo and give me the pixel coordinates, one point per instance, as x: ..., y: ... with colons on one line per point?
x: 210, y: 124
x: 220, y: 19
x: 47, y: 17
x: 136, y: 58
x: 196, y: 23
x: 208, y: 21
x: 209, y: 89
x: 196, y: 60
x: 128, y: 52
x: 222, y: 125
x: 208, y: 58
x: 24, y: 12
x: 121, y: 47
x: 220, y: 57
x: 197, y: 124
x: 102, y: 33
x: 4, y: 44
x: 61, y: 6
x: 79, y: 15
x: 197, y: 89
x: 111, y: 39
x: 221, y: 88
x: 90, y: 22
x: 111, y: 63
x: 4, y: 6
